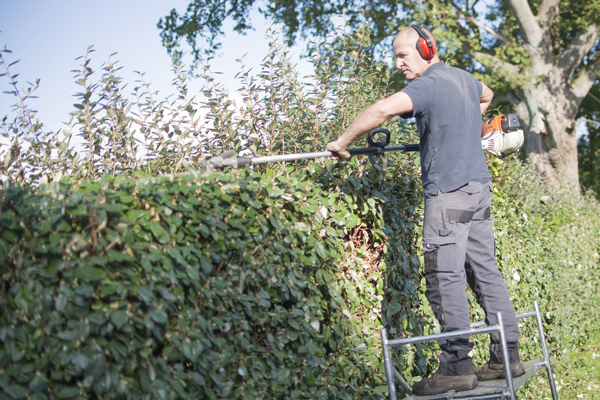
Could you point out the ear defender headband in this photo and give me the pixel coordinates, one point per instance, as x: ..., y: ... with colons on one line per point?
x: 425, y: 45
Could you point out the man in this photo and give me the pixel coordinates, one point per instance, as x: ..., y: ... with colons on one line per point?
x: 458, y: 239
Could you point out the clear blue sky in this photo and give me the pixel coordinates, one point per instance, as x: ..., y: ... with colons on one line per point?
x: 47, y: 36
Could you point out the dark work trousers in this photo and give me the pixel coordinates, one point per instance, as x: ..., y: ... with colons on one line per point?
x: 459, y: 248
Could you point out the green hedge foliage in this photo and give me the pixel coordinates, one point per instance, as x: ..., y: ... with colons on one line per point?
x: 220, y: 286
x: 548, y: 251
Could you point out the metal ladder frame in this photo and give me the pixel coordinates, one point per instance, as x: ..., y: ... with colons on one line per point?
x: 506, y: 391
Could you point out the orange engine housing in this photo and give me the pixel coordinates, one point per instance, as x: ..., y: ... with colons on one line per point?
x: 504, y: 123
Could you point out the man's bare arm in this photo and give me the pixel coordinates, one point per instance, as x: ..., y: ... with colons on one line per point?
x: 486, y: 97
x: 396, y: 104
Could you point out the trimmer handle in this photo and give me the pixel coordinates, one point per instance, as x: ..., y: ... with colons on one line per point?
x: 379, y: 160
x: 371, y: 136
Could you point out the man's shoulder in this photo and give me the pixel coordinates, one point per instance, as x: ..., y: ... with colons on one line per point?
x: 443, y: 68
x: 447, y: 73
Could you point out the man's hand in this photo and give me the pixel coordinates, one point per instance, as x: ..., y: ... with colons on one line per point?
x: 340, y: 149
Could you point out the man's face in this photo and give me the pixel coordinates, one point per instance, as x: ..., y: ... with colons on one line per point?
x: 408, y: 59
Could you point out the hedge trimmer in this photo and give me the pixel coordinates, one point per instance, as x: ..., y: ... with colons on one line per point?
x: 501, y: 135
x: 375, y: 150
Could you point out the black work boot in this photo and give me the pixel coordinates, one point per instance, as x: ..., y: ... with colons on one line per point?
x: 491, y: 371
x: 438, y: 383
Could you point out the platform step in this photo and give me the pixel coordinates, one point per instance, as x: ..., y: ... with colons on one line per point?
x: 488, y: 387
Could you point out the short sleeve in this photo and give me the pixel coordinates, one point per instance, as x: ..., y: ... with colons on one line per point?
x: 420, y: 93
x: 479, y: 88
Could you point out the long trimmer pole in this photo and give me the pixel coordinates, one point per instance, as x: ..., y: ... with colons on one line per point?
x: 228, y: 159
x: 322, y: 154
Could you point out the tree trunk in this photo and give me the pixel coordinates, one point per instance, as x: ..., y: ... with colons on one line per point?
x: 553, y: 90
x: 548, y: 117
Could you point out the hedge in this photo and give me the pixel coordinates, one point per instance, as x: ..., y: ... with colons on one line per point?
x: 207, y: 286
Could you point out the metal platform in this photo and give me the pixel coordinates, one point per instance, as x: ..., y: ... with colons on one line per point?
x: 498, y: 386
x: 496, y: 389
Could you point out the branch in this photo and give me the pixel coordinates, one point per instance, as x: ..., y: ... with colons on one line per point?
x: 530, y: 26
x: 476, y: 22
x: 586, y: 79
x: 483, y: 26
x: 574, y: 53
x: 496, y: 64
x: 548, y: 10
x: 591, y: 121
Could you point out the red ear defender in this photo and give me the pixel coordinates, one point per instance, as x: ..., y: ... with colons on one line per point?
x: 425, y: 45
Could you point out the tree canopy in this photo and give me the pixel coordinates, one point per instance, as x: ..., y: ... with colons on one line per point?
x: 540, y: 57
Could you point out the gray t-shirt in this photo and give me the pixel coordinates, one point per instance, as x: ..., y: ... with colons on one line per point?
x: 446, y: 107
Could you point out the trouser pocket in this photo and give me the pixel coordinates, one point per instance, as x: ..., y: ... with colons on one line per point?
x: 439, y: 252
x: 439, y: 256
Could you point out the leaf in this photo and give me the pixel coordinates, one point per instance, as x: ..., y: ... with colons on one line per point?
x: 67, y: 336
x: 37, y: 383
x: 516, y: 276
x: 3, y: 251
x: 113, y: 208
x: 15, y: 391
x: 159, y: 316
x: 316, y: 325
x: 67, y: 392
x: 146, y: 295
x: 159, y: 232
x: 23, y: 299
x: 80, y: 361
x: 294, y: 323
x: 119, y: 318
x: 60, y: 303
x: 352, y: 221
x: 9, y: 236
x: 193, y: 274
x: 90, y: 274
x: 50, y: 271
x: 168, y: 296
x: 393, y: 309
x: 321, y: 250
x: 382, y: 390
x: 178, y: 387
